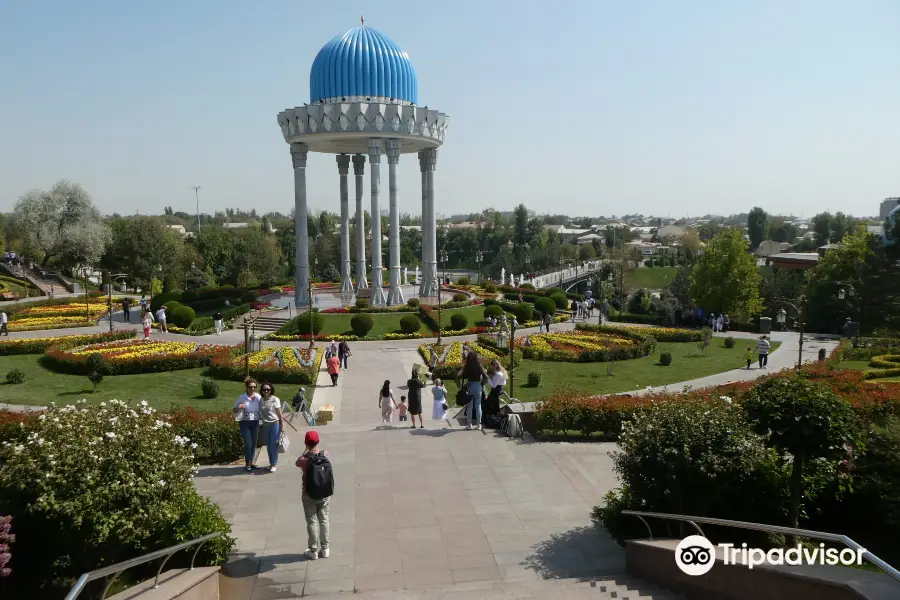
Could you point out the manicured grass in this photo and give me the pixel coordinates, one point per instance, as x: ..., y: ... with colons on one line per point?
x: 652, y: 278
x: 384, y: 323
x: 855, y: 365
x: 628, y: 375
x: 160, y: 390
x: 474, y: 313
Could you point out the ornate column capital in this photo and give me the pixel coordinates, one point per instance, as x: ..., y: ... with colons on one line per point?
x: 343, y: 163
x: 430, y: 159
x: 376, y: 147
x: 298, y: 155
x: 393, y: 151
x: 359, y: 164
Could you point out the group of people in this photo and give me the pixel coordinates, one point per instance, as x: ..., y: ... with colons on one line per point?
x: 763, y: 346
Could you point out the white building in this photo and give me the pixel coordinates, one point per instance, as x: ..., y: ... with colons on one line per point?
x: 887, y: 205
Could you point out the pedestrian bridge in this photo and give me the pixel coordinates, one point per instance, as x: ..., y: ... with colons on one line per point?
x: 569, y: 275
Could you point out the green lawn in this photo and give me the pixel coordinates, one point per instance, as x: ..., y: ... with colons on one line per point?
x: 384, y: 323
x: 651, y: 277
x: 160, y: 390
x: 591, y: 378
x: 474, y: 313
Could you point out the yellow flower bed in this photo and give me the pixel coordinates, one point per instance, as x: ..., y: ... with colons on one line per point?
x: 455, y: 355
x: 132, y: 349
x: 36, y: 323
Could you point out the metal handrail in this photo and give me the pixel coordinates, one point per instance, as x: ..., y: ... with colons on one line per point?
x: 117, y: 569
x: 808, y: 533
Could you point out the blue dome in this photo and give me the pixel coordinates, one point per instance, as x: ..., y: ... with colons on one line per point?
x: 363, y: 65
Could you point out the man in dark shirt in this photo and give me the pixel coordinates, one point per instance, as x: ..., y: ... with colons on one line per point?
x: 414, y: 392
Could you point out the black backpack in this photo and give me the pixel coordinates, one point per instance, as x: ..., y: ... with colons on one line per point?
x: 319, y: 477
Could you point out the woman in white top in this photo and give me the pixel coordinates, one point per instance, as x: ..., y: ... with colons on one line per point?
x: 272, y: 422
x: 246, y: 411
x: 498, y: 380
x: 439, y: 392
x: 386, y: 402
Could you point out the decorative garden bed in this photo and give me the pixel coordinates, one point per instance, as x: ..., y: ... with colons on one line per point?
x: 600, y: 344
x: 9, y: 347
x: 127, y: 357
x: 52, y: 315
x: 661, y: 334
x: 282, y: 364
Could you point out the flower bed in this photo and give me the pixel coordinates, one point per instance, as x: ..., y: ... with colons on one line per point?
x: 452, y: 357
x: 587, y: 345
x: 55, y: 315
x: 306, y: 337
x: 661, y: 334
x: 128, y: 357
x: 276, y: 364
x: 40, y: 345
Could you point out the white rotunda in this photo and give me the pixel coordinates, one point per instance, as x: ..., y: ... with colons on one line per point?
x: 364, y: 102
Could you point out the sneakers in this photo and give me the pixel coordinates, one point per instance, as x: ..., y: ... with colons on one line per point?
x: 272, y: 468
x: 311, y: 554
x: 469, y: 427
x: 323, y: 553
x: 248, y: 468
x: 478, y: 427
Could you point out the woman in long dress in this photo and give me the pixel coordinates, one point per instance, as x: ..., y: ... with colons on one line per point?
x: 439, y: 392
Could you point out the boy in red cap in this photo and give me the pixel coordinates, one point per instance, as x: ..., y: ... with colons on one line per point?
x: 318, y: 487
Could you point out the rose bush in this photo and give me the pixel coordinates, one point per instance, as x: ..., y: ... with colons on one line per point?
x: 91, y: 486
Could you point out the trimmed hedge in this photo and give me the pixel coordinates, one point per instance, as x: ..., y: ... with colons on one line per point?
x: 410, y: 324
x: 545, y: 306
x: 362, y: 324
x: 633, y: 318
x: 183, y: 316
x: 458, y: 321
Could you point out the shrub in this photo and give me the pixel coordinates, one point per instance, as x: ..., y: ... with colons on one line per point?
x: 691, y: 457
x: 459, y: 321
x: 490, y: 287
x: 362, y: 324
x: 171, y: 305
x: 410, y: 324
x: 217, y: 438
x: 533, y: 378
x: 362, y: 303
x: 201, y: 324
x: 559, y: 298
x: 805, y: 419
x: 93, y: 487
x: 96, y: 366
x: 248, y: 296
x: 545, y: 306
x: 160, y: 299
x: 665, y: 358
x: 460, y: 297
x: 210, y: 388
x: 527, y: 286
x: 493, y: 311
x: 6, y: 538
x: 413, y: 302
x: 183, y: 316
x: 729, y: 342
x: 15, y: 376
x: 305, y: 323
x: 463, y: 281
x: 523, y: 312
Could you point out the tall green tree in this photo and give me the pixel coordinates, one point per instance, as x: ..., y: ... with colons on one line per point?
x: 144, y: 248
x: 726, y: 278
x: 756, y: 227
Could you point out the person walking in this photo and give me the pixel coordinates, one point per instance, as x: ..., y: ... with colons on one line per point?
x: 161, y: 319
x: 126, y: 309
x: 334, y: 368
x: 4, y: 323
x: 540, y: 323
x: 498, y: 380
x: 318, y: 487
x: 147, y: 322
x: 547, y: 320
x: 344, y: 353
x: 386, y: 402
x: 762, y: 349
x: 219, y: 322
x: 414, y: 391
x: 332, y: 348
x: 749, y: 356
x: 143, y: 303
x: 272, y: 420
x: 439, y: 393
x: 246, y: 411
x: 473, y: 373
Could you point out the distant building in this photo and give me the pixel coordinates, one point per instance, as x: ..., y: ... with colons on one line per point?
x: 179, y: 228
x: 463, y: 225
x: 670, y: 231
x: 589, y: 239
x: 235, y: 225
x: 887, y: 205
x: 794, y: 260
x: 567, y: 234
x: 768, y: 248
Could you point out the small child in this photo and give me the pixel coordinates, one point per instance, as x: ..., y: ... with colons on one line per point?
x: 750, y: 357
x: 403, y: 408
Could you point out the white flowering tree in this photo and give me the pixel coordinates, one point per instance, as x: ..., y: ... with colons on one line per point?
x: 95, y: 485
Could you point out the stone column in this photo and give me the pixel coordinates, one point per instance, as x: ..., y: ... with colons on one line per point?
x: 395, y: 295
x: 375, y: 148
x: 425, y: 245
x: 359, y: 167
x: 301, y: 270
x: 431, y: 275
x: 343, y: 163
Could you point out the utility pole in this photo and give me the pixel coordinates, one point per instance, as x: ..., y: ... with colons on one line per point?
x: 197, y: 197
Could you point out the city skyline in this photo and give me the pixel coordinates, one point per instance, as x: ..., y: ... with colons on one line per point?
x: 656, y: 108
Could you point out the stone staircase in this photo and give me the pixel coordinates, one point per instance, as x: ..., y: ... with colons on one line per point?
x: 267, y: 323
x: 34, y: 277
x: 619, y: 587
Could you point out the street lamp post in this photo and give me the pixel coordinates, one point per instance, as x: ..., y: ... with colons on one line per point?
x: 512, y: 358
x: 851, y: 293
x: 87, y: 308
x: 197, y: 197
x: 309, y: 293
x: 111, y: 278
x: 440, y: 320
x: 781, y: 316
x: 478, y: 258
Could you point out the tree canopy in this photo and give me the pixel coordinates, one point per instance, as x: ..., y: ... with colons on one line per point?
x: 726, y: 278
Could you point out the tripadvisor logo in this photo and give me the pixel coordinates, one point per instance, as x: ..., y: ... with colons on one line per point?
x: 696, y: 555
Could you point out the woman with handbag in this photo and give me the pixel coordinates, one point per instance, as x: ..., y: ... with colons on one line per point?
x: 246, y: 412
x: 272, y: 422
x: 439, y: 392
x: 474, y: 374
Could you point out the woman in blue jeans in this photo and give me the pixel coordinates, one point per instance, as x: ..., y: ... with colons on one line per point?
x: 246, y: 411
x: 473, y: 374
x: 272, y: 421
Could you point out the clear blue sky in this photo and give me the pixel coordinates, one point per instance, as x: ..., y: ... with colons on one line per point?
x: 584, y: 107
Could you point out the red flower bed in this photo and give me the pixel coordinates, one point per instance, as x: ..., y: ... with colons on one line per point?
x: 340, y: 310
x: 260, y: 305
